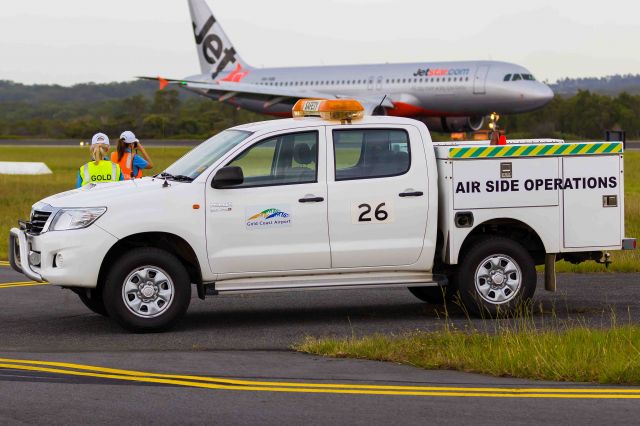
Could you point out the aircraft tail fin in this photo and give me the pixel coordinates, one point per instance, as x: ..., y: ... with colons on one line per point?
x: 215, y: 51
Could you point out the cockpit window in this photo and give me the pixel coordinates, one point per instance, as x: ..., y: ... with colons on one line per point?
x: 507, y: 77
x: 528, y: 77
x: 516, y: 77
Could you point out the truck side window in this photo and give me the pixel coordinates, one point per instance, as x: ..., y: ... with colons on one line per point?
x: 370, y: 153
x: 281, y: 160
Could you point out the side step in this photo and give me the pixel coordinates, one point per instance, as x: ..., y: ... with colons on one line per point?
x: 325, y: 282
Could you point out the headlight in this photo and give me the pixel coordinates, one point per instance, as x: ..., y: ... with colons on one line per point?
x: 76, y: 218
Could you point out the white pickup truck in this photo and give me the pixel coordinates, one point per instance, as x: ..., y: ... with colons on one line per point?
x: 318, y: 203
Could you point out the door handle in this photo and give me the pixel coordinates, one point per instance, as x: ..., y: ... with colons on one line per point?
x: 411, y: 194
x: 311, y: 200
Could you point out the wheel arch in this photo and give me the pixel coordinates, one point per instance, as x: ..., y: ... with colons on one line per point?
x: 169, y: 242
x: 511, y: 228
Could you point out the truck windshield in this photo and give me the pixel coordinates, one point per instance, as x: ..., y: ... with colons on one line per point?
x: 196, y: 161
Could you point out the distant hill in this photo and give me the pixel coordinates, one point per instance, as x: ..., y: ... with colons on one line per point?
x: 79, y: 93
x: 611, y: 85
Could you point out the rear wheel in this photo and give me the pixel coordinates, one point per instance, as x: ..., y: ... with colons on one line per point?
x: 496, y: 276
x: 147, y: 290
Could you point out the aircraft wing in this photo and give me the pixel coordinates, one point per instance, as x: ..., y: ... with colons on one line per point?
x: 226, y: 90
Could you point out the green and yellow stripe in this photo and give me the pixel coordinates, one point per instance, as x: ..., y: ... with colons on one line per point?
x: 544, y: 150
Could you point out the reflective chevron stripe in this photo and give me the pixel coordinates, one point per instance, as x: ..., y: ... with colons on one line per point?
x: 536, y: 150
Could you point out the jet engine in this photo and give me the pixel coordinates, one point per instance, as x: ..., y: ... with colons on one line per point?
x: 454, y: 124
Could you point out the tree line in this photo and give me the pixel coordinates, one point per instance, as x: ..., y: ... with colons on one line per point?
x: 80, y: 111
x: 584, y: 115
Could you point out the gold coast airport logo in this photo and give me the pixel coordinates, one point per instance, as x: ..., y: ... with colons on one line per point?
x: 268, y: 218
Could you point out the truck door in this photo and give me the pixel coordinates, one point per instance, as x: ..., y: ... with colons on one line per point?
x: 480, y: 79
x: 589, y: 220
x: 277, y: 219
x: 378, y: 195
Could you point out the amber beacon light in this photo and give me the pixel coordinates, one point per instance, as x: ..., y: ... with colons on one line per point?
x: 329, y: 109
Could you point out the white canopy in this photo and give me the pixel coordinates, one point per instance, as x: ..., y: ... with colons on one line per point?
x: 23, y: 168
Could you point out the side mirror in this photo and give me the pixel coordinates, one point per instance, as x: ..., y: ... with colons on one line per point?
x: 227, y: 177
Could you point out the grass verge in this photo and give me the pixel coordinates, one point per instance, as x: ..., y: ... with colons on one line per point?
x: 577, y: 354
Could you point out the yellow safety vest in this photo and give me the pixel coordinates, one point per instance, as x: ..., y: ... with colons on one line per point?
x: 104, y: 171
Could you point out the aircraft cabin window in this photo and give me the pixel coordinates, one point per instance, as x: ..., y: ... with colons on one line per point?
x: 516, y: 77
x: 528, y: 77
x: 507, y: 77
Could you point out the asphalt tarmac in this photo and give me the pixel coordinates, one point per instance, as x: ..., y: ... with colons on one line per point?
x: 229, y: 361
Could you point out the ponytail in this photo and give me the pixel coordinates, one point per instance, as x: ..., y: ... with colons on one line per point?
x: 121, y: 149
x: 98, y: 152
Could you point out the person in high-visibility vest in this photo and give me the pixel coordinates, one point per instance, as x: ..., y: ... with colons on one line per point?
x: 131, y: 163
x: 99, y: 170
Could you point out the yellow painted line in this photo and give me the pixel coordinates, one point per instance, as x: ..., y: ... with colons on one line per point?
x: 21, y: 284
x: 335, y: 388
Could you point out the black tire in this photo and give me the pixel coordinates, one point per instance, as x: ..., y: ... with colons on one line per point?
x: 143, y: 260
x: 92, y: 299
x: 436, y: 295
x: 502, y: 251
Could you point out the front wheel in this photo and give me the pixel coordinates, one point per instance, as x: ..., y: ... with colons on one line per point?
x: 92, y: 299
x: 147, y: 290
x: 496, y: 276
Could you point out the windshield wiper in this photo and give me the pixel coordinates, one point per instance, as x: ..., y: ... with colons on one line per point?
x: 181, y: 178
x: 177, y: 178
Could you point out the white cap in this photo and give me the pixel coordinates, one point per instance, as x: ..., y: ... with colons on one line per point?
x: 128, y: 137
x: 100, y: 138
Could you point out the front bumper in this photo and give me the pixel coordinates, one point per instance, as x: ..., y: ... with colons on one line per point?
x: 81, y: 252
x: 19, y: 254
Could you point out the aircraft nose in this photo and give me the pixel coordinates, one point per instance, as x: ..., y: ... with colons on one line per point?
x: 542, y: 94
x: 546, y: 94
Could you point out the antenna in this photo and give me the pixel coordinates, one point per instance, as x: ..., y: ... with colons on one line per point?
x: 380, y: 104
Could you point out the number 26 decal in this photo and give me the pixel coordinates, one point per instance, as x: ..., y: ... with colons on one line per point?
x: 371, y: 212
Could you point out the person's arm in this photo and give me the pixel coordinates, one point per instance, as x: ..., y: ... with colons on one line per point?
x: 143, y: 154
x: 78, y: 181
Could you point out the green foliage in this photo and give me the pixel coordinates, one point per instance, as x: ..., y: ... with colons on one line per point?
x: 77, y: 112
x: 584, y: 115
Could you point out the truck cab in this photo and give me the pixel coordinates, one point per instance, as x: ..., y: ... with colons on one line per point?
x: 329, y: 199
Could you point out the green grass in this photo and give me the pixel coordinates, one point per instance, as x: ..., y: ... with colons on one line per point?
x: 18, y: 193
x: 578, y: 354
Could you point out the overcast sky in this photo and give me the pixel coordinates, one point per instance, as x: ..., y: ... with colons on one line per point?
x: 73, y: 41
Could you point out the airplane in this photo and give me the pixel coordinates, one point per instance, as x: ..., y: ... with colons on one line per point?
x: 448, y: 96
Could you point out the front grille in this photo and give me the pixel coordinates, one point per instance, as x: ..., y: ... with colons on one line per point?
x: 38, y: 220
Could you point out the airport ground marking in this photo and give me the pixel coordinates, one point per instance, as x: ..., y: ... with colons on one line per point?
x: 330, y: 388
x: 22, y: 284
